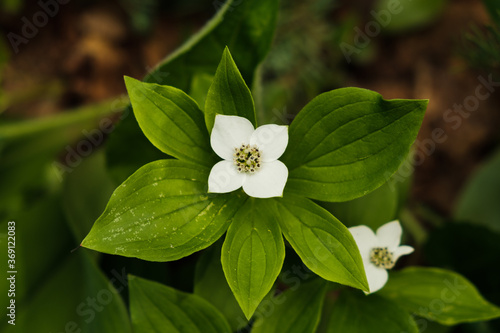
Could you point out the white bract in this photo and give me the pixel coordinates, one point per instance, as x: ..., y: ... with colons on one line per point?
x: 250, y: 157
x: 379, y: 251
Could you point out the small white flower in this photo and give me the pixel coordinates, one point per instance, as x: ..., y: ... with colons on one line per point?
x: 250, y: 157
x: 379, y: 251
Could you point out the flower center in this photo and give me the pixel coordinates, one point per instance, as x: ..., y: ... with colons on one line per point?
x: 247, y: 158
x: 381, y: 257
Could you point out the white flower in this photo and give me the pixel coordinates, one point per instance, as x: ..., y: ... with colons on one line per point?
x: 379, y: 251
x: 250, y: 157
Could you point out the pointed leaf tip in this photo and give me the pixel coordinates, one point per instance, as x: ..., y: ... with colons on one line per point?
x: 229, y: 93
x: 253, y: 254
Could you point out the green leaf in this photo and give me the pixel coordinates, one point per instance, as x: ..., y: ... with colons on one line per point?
x: 299, y: 310
x: 252, y: 254
x: 228, y: 94
x: 347, y: 142
x: 478, y: 202
x: 239, y: 25
x: 86, y: 191
x: 80, y: 295
x: 171, y: 120
x: 72, y: 283
x: 433, y: 327
x: 114, y: 316
x: 401, y: 15
x: 323, y: 243
x: 210, y: 283
x: 127, y: 148
x: 437, y: 294
x: 163, y: 213
x: 158, y: 308
x: 34, y: 266
x: 81, y: 298
x: 374, y: 209
x: 28, y: 150
x: 200, y: 84
x: 357, y: 313
x: 469, y: 250
x: 242, y: 26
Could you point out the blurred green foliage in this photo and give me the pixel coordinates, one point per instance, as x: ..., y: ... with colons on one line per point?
x: 479, y: 201
x: 11, y: 6
x: 410, y: 14
x: 470, y: 244
x: 29, y: 148
x: 481, y: 48
x: 47, y: 273
x: 493, y: 7
x: 473, y: 251
x: 303, y: 61
x: 481, y: 45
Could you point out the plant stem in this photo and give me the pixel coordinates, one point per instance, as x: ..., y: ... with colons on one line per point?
x: 63, y: 119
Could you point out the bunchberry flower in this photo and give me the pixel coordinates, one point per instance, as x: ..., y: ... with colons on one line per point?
x: 250, y: 157
x: 379, y: 251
